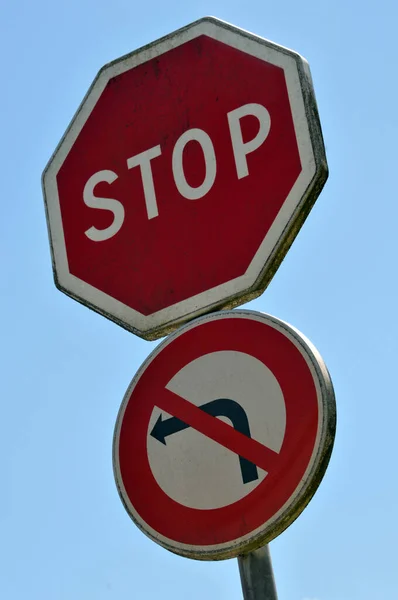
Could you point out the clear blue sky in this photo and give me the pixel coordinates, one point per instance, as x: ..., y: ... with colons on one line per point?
x: 63, y: 532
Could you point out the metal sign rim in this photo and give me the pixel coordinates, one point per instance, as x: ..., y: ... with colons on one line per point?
x: 276, y: 242
x: 314, y: 472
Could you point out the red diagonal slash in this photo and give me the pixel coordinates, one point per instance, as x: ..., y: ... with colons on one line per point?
x: 217, y: 430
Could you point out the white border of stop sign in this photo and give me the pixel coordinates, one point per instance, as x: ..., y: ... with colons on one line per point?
x: 278, y: 238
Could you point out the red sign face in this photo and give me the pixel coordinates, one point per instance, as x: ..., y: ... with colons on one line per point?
x: 224, y: 434
x: 182, y: 177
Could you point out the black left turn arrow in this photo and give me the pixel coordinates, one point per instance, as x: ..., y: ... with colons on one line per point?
x: 222, y: 407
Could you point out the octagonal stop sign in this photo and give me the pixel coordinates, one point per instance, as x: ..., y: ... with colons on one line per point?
x: 184, y: 177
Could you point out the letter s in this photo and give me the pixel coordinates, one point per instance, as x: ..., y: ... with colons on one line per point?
x: 116, y: 207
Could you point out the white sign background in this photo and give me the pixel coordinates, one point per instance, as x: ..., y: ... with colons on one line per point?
x: 193, y: 469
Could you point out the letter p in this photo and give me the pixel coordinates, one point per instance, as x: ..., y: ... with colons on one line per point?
x: 240, y: 148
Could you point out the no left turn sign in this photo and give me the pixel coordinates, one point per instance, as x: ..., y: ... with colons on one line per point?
x: 224, y: 435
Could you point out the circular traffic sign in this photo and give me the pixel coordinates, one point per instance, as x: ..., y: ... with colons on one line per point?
x: 224, y: 434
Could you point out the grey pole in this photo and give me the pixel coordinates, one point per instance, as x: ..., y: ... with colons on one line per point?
x: 256, y: 575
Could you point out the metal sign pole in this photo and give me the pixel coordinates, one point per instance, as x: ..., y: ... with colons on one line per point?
x: 257, y: 576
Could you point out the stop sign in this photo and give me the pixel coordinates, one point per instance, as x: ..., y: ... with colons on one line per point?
x: 184, y: 177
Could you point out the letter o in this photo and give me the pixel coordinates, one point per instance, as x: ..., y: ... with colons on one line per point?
x: 189, y: 192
